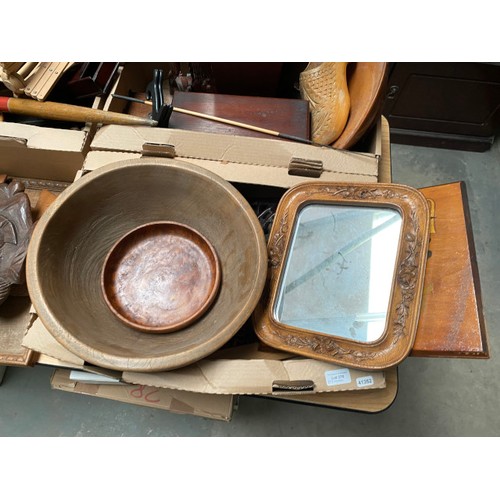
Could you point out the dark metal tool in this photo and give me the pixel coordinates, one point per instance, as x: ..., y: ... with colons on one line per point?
x: 154, y: 93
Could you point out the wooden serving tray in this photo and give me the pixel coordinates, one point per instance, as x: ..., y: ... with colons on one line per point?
x: 451, y: 318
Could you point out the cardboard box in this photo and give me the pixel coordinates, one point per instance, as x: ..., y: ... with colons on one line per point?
x: 261, y: 377
x: 256, y: 374
x: 238, y: 159
x: 54, y: 154
x: 369, y: 401
x: 242, y: 370
x: 247, y: 161
x: 42, y: 153
x: 218, y: 407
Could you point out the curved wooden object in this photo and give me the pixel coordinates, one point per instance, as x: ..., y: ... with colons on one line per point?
x: 72, y: 239
x: 367, y: 84
x: 161, y: 277
x: 324, y: 85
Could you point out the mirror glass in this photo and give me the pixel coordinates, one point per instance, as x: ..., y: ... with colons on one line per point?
x: 338, y: 273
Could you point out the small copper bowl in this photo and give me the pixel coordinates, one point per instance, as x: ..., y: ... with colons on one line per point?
x: 161, y: 277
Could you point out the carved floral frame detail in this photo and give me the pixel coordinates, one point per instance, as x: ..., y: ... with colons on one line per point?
x: 404, y: 306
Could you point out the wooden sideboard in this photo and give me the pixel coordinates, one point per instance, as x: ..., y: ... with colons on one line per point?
x: 443, y: 104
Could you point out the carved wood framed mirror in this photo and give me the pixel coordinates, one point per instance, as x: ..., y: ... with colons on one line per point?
x: 346, y: 269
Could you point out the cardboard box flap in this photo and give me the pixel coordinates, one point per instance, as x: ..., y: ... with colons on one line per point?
x: 40, y: 340
x: 44, y: 359
x: 233, y: 149
x: 232, y: 172
x: 241, y: 370
x: 363, y: 401
x: 260, y: 376
x: 218, y: 407
x: 253, y: 350
x: 51, y: 352
x: 34, y: 137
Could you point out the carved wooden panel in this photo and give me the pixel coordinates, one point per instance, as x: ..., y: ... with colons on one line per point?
x: 15, y: 232
x: 15, y: 316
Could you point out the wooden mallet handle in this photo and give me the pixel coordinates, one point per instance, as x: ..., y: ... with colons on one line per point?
x: 69, y: 112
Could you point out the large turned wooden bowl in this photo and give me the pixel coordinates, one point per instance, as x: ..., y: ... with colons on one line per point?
x: 71, y: 241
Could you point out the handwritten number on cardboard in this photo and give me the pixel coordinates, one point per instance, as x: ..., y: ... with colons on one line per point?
x: 146, y: 393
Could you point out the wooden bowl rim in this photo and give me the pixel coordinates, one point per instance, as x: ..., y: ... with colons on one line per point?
x: 162, y: 361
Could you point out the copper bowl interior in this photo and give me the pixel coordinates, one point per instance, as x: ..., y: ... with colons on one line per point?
x: 160, y: 277
x: 71, y: 241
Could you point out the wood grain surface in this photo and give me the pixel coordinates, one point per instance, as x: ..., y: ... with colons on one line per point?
x: 161, y: 277
x: 288, y: 116
x: 367, y: 82
x: 70, y: 244
x: 451, y: 317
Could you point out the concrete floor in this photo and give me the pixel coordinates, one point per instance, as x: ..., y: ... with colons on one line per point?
x: 437, y: 397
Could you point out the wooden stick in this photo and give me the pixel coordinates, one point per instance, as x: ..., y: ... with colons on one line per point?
x: 69, y: 112
x: 224, y: 120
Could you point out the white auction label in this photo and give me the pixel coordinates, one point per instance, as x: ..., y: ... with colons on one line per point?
x: 338, y: 377
x: 364, y: 381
